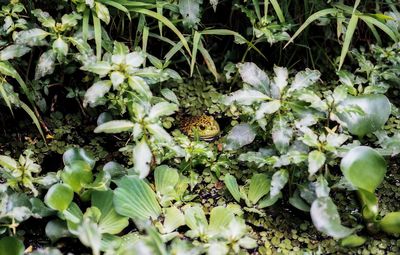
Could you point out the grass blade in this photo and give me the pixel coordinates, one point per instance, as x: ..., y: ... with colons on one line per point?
x: 85, y: 24
x: 4, y: 94
x: 97, y: 35
x: 117, y: 6
x: 33, y: 117
x: 278, y: 10
x: 196, y: 42
x: 348, y: 38
x: 368, y: 19
x: 209, y: 61
x: 256, y: 4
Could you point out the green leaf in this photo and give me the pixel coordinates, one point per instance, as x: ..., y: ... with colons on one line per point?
x: 78, y: 154
x: 376, y: 108
x: 97, y: 35
x: 134, y: 198
x: 352, y: 241
x: 110, y: 222
x: 305, y: 79
x: 190, y: 11
x: 281, y: 134
x: 96, y: 92
x: 220, y: 217
x: 369, y: 204
x: 170, y: 95
x: 165, y: 179
x: 59, y: 196
x: 196, y: 43
x: 60, y: 47
x: 89, y: 234
x: 115, y: 126
x: 278, y: 181
x: 161, y: 109
x: 316, y: 159
x: 139, y: 84
x: 196, y: 220
x: 245, y: 97
x: 45, y: 64
x: 57, y: 229
x: 44, y: 18
x: 102, y: 12
x: 259, y: 186
x: 268, y: 108
x: 174, y: 218
x: 159, y: 133
x: 364, y: 168
x: 391, y: 223
x: 13, y: 51
x: 117, y: 78
x: 8, y: 162
x: 32, y: 37
x: 254, y: 76
x: 70, y: 20
x: 11, y: 246
x: 76, y: 175
x: 240, y: 135
x: 325, y: 217
x: 142, y: 157
x: 101, y: 68
x: 232, y: 186
x: 348, y: 38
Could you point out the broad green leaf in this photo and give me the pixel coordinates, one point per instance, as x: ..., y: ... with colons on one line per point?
x: 139, y: 85
x: 316, y: 159
x: 280, y: 81
x: 8, y: 162
x: 159, y: 133
x: 32, y: 37
x: 268, y: 108
x: 391, y: 223
x: 134, y: 198
x: 59, y: 196
x: 45, y: 64
x: 278, y: 181
x: 110, y: 222
x: 325, y: 217
x: 170, y: 95
x: 305, y: 79
x: 364, y: 168
x: 78, y: 154
x: 352, y: 241
x: 240, y: 135
x: 102, y: 12
x: 11, y: 246
x: 142, y: 157
x: 165, y: 179
x: 115, y: 126
x: 89, y: 234
x: 44, y: 18
x: 190, y: 11
x: 259, y: 186
x: 174, y: 218
x: 117, y: 78
x: 76, y: 175
x: 161, y: 109
x: 281, y: 134
x: 71, y: 19
x: 135, y: 59
x: 13, y: 51
x: 254, y: 76
x: 96, y: 93
x: 369, y: 204
x: 298, y: 202
x: 101, y: 68
x: 376, y: 111
x: 245, y: 97
x: 232, y: 186
x: 57, y: 229
x: 60, y: 47
x: 220, y: 217
x: 196, y: 220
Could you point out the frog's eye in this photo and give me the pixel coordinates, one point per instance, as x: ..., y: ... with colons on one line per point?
x: 202, y: 127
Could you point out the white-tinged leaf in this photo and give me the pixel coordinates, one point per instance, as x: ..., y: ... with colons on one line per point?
x: 190, y: 11
x: 71, y: 19
x: 304, y: 79
x: 134, y: 59
x: 102, y: 12
x: 174, y: 218
x: 316, y: 160
x: 44, y: 18
x: 245, y: 97
x: 101, y: 68
x: 162, y: 109
x: 115, y: 126
x: 214, y: 4
x: 159, y: 133
x: 8, y: 162
x: 325, y: 217
x: 32, y: 37
x: 239, y: 136
x: 254, y: 76
x: 165, y: 179
x: 13, y: 51
x: 170, y: 95
x: 280, y: 81
x: 281, y: 134
x: 60, y: 47
x: 259, y: 186
x: 117, y: 78
x: 278, y: 181
x: 309, y: 138
x: 90, y: 235
x: 142, y: 158
x: 267, y: 108
x: 139, y: 85
x: 45, y: 65
x: 96, y: 92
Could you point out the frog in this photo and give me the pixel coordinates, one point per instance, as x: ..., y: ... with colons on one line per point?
x: 204, y: 126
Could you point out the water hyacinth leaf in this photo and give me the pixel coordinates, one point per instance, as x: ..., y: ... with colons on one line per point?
x: 77, y: 175
x: 115, y: 126
x: 11, y: 246
x: 142, y: 157
x: 240, y: 135
x: 245, y: 97
x: 220, y: 217
x: 269, y: 200
x: 259, y: 186
x: 110, y: 221
x: 174, y: 218
x: 165, y: 179
x: 391, y: 223
x: 316, y: 159
x: 369, y: 204
x: 162, y: 109
x: 45, y: 65
x: 325, y: 217
x: 305, y: 79
x: 32, y: 37
x: 59, y: 196
x: 89, y: 234
x: 232, y: 186
x: 364, y: 168
x: 13, y: 51
x: 376, y: 111
x: 195, y: 218
x: 268, y: 108
x: 96, y: 93
x: 298, y: 202
x: 254, y: 76
x: 135, y: 199
x: 278, y: 181
x: 78, y: 154
x: 352, y: 241
x: 56, y: 229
